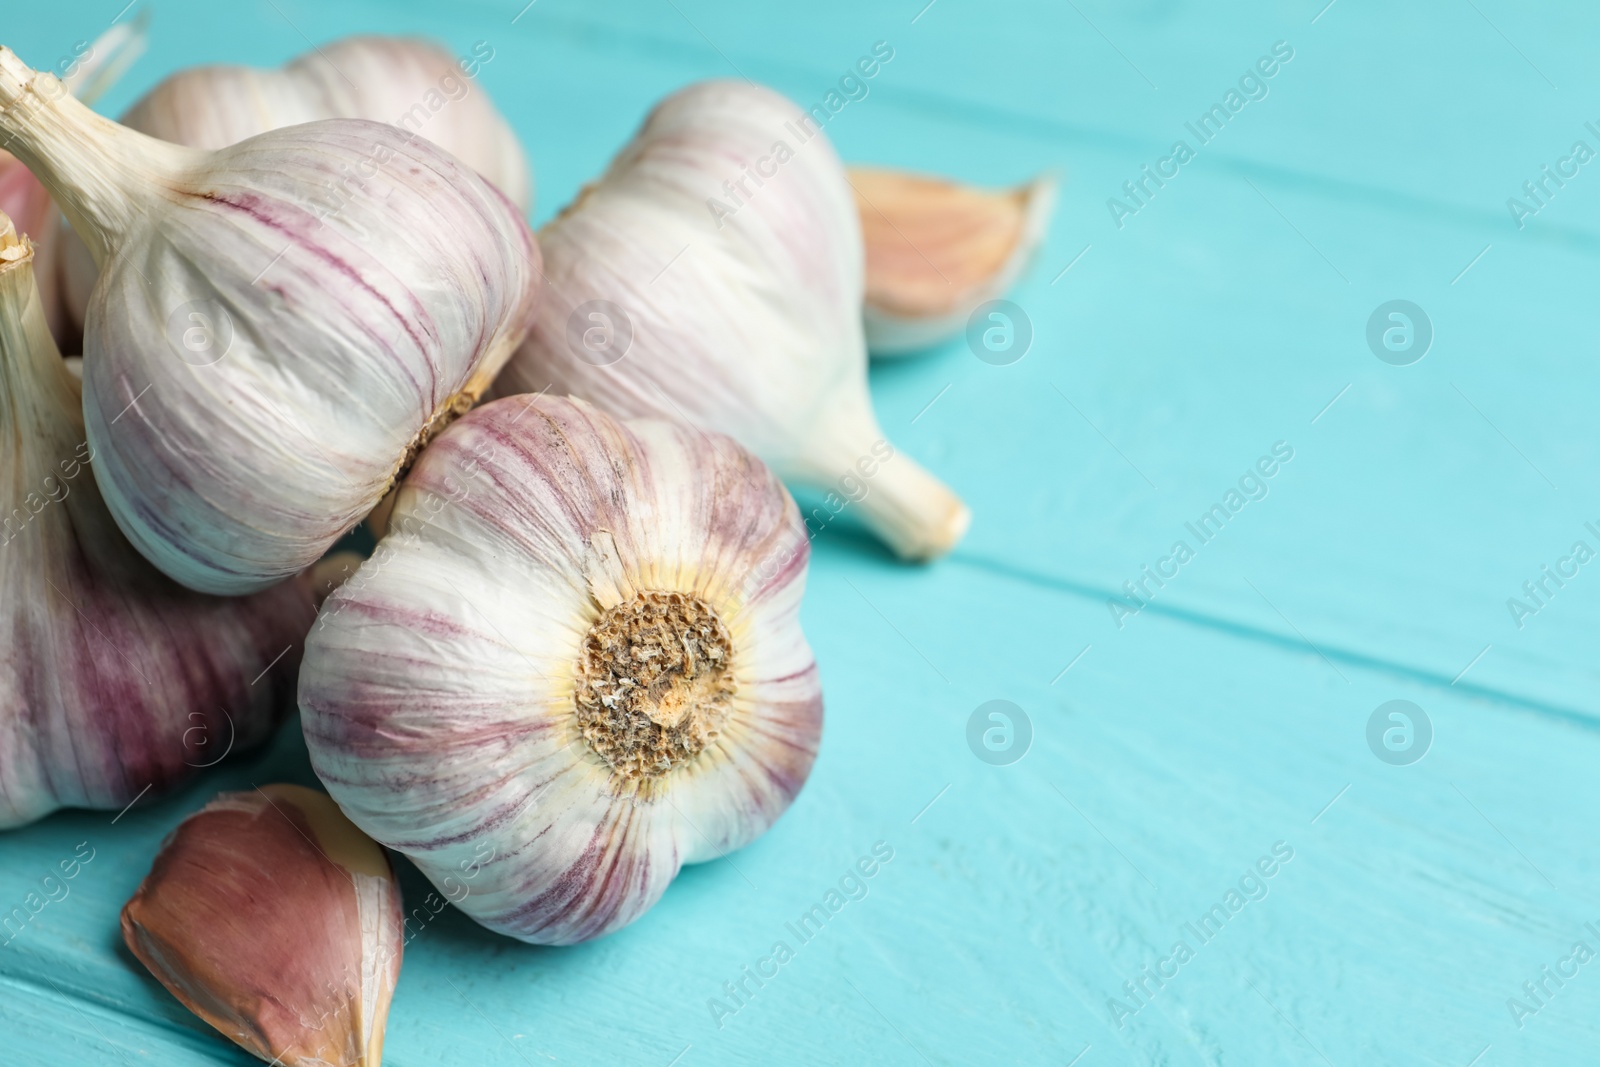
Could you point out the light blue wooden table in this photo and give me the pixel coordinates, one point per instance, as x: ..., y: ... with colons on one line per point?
x: 1174, y: 751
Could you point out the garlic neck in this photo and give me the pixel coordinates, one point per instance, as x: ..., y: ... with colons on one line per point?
x: 100, y: 173
x: 914, y: 513
x: 654, y: 683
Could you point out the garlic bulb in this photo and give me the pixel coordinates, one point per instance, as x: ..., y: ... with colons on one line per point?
x: 88, y: 72
x: 278, y: 327
x: 113, y: 678
x: 411, y: 83
x: 273, y: 919
x: 937, y: 250
x: 573, y: 664
x: 714, y: 274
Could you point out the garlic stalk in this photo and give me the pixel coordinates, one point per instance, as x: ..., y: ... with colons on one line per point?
x: 411, y: 83
x: 714, y: 274
x: 91, y: 69
x: 276, y: 921
x: 573, y: 665
x: 937, y: 250
x: 278, y: 327
x: 113, y: 678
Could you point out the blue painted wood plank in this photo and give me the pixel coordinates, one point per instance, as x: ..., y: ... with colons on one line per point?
x: 1228, y: 715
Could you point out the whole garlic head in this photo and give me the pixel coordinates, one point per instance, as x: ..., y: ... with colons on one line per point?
x: 278, y: 326
x: 411, y: 83
x: 714, y: 274
x: 572, y: 665
x: 113, y: 678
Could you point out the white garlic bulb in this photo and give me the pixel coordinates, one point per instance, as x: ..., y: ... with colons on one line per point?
x: 113, y: 678
x: 936, y: 251
x: 408, y: 82
x: 714, y: 274
x: 278, y: 326
x: 572, y: 665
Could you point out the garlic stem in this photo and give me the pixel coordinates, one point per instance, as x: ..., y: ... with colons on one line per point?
x: 915, y: 514
x: 97, y: 170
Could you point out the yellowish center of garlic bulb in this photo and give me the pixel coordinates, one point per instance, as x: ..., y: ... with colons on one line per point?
x: 654, y: 683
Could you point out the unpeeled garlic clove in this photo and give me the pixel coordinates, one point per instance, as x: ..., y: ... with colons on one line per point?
x: 278, y: 327
x: 409, y: 82
x: 114, y: 679
x: 936, y: 250
x: 714, y: 277
x: 573, y: 665
x: 275, y: 920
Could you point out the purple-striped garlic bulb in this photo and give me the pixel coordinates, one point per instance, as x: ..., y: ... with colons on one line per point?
x: 114, y: 679
x: 714, y: 274
x: 573, y: 665
x: 278, y: 327
x: 412, y: 83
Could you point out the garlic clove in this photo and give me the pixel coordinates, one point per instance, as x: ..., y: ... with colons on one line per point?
x: 936, y: 250
x: 270, y: 916
x: 714, y: 274
x: 262, y: 361
x: 114, y: 679
x: 573, y: 664
x: 409, y: 82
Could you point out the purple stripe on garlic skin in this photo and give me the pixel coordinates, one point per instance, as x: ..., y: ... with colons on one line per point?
x: 744, y: 320
x: 441, y: 691
x: 114, y: 679
x: 258, y: 368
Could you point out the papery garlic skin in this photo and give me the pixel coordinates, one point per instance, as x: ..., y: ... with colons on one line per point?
x: 114, y: 680
x: 531, y: 546
x: 406, y: 81
x: 739, y: 313
x: 94, y: 67
x: 936, y: 251
x: 276, y: 921
x: 267, y: 348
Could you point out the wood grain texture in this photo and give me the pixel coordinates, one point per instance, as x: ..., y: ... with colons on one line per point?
x: 1230, y: 714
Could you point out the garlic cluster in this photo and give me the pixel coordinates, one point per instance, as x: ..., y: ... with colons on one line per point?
x: 936, y: 250
x: 276, y: 921
x: 278, y: 327
x: 113, y: 678
x: 411, y: 83
x: 714, y: 274
x: 572, y: 665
